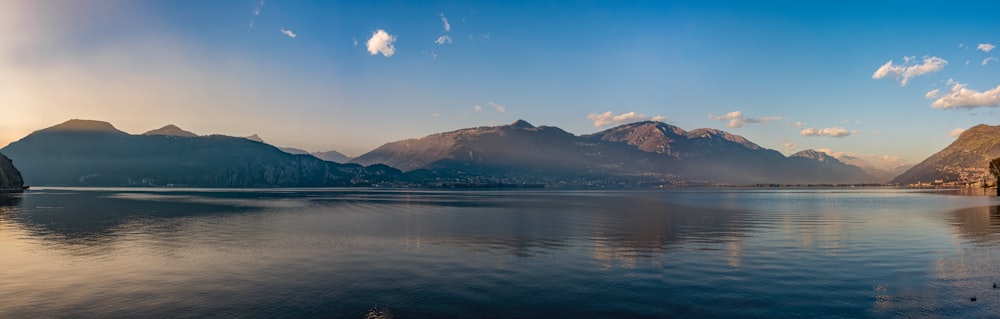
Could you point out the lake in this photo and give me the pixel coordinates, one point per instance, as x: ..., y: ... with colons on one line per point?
x: 342, y: 253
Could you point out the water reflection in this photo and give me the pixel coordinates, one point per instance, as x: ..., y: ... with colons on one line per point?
x: 97, y: 219
x: 980, y: 225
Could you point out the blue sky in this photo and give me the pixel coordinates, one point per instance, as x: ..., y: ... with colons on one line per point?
x: 788, y: 75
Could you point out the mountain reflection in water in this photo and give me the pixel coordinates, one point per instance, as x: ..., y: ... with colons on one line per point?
x: 97, y: 253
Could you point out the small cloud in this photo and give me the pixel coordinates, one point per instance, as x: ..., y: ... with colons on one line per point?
x: 985, y: 47
x: 436, y: 115
x: 477, y: 108
x: 659, y: 118
x: 498, y: 107
x: 796, y: 124
x: 381, y: 42
x: 961, y: 96
x: 835, y: 131
x: 447, y: 26
x: 956, y: 132
x: 907, y: 70
x: 987, y: 60
x: 288, y: 32
x: 608, y: 118
x: 932, y: 94
x: 443, y: 40
x: 355, y: 41
x: 791, y: 147
x: 737, y: 120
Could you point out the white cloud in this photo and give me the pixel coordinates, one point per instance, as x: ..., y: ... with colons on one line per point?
x: 791, y: 147
x: 907, y: 70
x: 962, y: 97
x: 796, y: 124
x: 985, y: 47
x: 381, y: 42
x: 608, y: 118
x: 447, y: 27
x: 477, y: 108
x: 956, y: 132
x: 443, y: 39
x: 288, y: 32
x: 987, y: 60
x: 355, y: 41
x: 835, y: 131
x: 498, y: 107
x: 659, y: 118
x: 737, y: 120
x: 932, y: 94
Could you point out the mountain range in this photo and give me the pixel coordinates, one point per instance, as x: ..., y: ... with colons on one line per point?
x: 94, y: 153
x: 652, y: 152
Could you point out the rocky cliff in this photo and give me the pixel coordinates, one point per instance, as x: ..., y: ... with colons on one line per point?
x: 10, y: 177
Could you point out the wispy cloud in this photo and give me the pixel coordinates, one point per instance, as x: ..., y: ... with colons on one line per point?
x: 960, y: 96
x: 381, y: 42
x: 737, y: 120
x: 985, y: 47
x: 796, y: 124
x: 444, y: 20
x: 287, y: 32
x: 498, y: 107
x: 791, y: 147
x: 932, y: 94
x: 608, y: 118
x: 477, y: 108
x: 835, y: 131
x: 909, y: 68
x: 956, y: 132
x: 355, y: 42
x: 256, y: 13
x: 987, y: 60
x: 443, y: 40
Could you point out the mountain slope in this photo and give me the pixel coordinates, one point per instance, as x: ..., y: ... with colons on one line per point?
x: 92, y: 153
x: 965, y: 160
x: 332, y: 156
x: 10, y: 177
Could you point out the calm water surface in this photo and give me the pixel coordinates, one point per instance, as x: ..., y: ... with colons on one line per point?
x: 498, y: 254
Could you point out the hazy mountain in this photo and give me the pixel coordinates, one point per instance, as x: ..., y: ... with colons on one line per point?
x: 649, y: 150
x: 966, y: 159
x: 332, y: 156
x: 171, y: 130
x: 10, y: 177
x: 255, y: 138
x: 92, y: 153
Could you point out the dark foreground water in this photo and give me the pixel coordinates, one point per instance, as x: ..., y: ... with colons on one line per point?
x: 498, y: 254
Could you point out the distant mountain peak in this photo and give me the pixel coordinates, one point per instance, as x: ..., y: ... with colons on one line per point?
x: 521, y: 124
x: 813, y: 154
x: 171, y: 130
x: 255, y: 138
x: 77, y: 125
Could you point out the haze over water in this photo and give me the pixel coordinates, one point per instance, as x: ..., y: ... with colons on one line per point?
x: 500, y: 254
